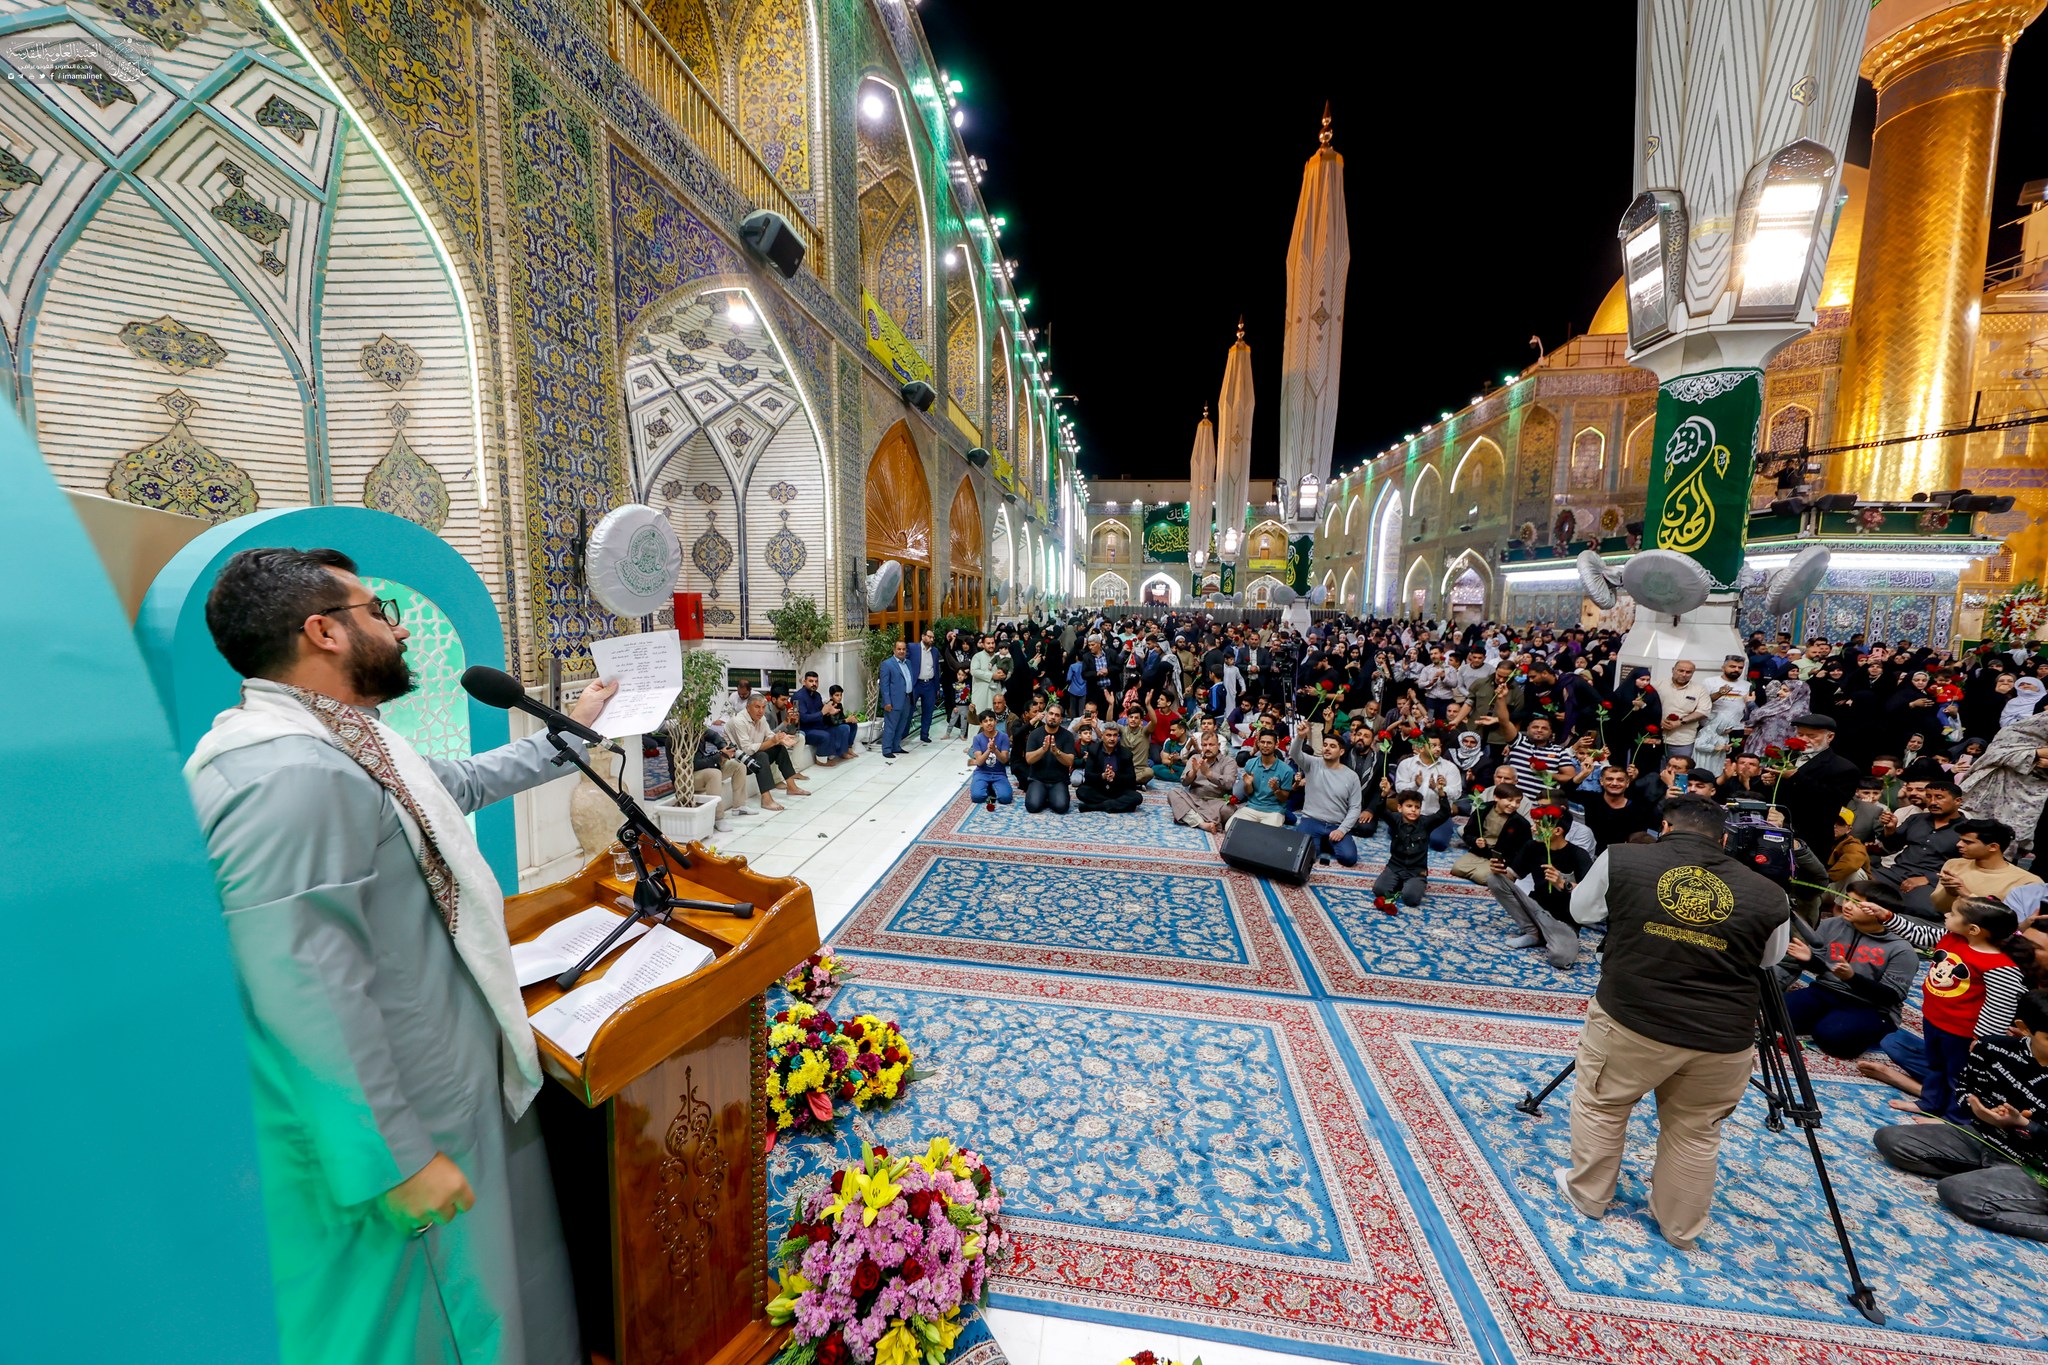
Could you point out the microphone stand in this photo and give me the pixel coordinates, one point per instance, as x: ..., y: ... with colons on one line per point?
x: 654, y: 898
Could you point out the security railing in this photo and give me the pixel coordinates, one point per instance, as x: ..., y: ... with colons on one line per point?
x: 652, y: 61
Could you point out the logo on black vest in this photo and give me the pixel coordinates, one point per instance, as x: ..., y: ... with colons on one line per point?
x: 1695, y: 895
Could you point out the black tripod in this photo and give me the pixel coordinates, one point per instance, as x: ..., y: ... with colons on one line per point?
x: 1788, y: 1094
x: 654, y: 898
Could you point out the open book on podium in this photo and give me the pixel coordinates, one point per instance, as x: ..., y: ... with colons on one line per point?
x: 657, y: 1133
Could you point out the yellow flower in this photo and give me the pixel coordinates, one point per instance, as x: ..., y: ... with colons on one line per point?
x: 873, y: 1192
x: 898, y: 1346
x: 940, y: 1335
x: 782, y: 1308
x: 940, y: 1153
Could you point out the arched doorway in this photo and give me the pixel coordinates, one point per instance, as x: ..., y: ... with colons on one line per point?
x: 999, y: 556
x: 1415, y: 590
x: 1466, y: 587
x: 963, y: 554
x: 1386, y: 552
x: 1260, y: 592
x: 899, y: 517
x: 1110, y: 588
x: 1160, y: 590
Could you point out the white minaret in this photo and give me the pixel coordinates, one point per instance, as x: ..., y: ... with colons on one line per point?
x: 1318, y: 260
x: 1234, y: 450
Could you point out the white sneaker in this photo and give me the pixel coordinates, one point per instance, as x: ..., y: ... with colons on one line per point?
x: 722, y: 827
x: 743, y: 810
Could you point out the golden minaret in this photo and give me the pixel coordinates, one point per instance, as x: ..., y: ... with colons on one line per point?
x: 1913, y: 321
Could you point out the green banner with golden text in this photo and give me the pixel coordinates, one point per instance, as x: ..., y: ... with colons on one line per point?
x: 1705, y: 446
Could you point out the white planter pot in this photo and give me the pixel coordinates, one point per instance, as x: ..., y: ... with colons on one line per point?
x: 870, y: 732
x: 687, y: 823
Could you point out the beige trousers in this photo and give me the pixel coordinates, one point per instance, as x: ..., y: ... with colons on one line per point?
x: 727, y: 778
x: 1257, y: 816
x: 1696, y: 1091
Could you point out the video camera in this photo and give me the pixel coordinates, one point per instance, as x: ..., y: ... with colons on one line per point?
x: 1757, y: 843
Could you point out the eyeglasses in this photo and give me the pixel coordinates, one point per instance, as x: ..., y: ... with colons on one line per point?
x: 387, y: 607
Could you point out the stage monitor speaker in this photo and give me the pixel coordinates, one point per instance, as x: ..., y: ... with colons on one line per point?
x: 1269, y: 850
x: 919, y: 395
x: 978, y: 457
x: 690, y: 615
x: 770, y: 234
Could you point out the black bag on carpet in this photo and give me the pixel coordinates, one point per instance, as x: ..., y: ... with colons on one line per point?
x: 1269, y: 850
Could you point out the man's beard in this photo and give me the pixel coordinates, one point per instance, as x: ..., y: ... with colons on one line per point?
x: 377, y: 672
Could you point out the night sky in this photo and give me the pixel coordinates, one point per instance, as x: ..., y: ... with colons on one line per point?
x: 1148, y: 159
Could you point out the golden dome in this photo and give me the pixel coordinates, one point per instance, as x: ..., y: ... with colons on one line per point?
x: 1837, y: 285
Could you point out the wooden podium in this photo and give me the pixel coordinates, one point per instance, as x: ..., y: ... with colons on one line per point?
x: 657, y: 1136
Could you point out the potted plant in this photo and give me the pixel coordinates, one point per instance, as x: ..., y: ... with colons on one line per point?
x: 688, y: 815
x: 802, y: 628
x: 875, y: 648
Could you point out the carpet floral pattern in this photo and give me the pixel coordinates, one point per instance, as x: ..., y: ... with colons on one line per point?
x: 1271, y: 1116
x: 1452, y: 951
x: 1168, y: 1152
x: 1146, y: 832
x: 1765, y: 1281
x: 1199, y: 923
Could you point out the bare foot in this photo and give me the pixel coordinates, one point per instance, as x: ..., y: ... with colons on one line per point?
x: 769, y: 803
x: 1890, y: 1075
x: 1907, y: 1106
x: 794, y: 791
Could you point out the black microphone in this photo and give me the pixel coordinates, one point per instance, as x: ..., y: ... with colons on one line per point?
x: 495, y: 687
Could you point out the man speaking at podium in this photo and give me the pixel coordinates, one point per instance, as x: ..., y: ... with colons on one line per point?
x: 406, y: 1189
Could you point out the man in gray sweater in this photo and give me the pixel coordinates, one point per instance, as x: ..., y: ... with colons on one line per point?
x: 1330, y: 800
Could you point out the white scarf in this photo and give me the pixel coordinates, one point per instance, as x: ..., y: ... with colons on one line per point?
x: 269, y: 711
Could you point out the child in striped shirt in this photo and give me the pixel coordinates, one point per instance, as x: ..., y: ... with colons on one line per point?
x: 1971, y: 991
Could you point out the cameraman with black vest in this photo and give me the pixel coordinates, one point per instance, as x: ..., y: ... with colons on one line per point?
x: 1689, y: 927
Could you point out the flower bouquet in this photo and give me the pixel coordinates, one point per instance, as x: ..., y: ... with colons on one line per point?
x: 1386, y: 905
x: 877, y: 1266
x: 807, y: 1061
x: 817, y: 976
x: 1148, y: 1358
x: 882, y: 1063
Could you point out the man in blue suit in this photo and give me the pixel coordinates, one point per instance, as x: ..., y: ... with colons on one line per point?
x: 896, y: 689
x: 927, y: 676
x: 826, y: 729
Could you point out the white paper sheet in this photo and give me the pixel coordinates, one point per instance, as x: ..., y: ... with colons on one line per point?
x: 661, y: 957
x: 562, y: 945
x: 649, y: 671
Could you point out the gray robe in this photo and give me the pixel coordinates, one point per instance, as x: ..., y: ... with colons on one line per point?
x: 1206, y: 798
x: 371, y: 1049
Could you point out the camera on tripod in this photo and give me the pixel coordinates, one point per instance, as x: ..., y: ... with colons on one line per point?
x: 1756, y: 842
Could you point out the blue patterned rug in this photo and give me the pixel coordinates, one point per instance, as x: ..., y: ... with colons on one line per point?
x: 1766, y: 1281
x: 1254, y: 1113
x: 1168, y: 1154
x: 1452, y: 951
x: 1146, y: 832
x: 1196, y: 922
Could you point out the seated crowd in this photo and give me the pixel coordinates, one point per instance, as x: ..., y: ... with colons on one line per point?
x: 1904, y: 789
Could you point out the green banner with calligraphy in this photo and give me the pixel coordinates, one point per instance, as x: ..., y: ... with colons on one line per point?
x: 1298, y: 556
x: 1166, y: 533
x: 1705, y: 446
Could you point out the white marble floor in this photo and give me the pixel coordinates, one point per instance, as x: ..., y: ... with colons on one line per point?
x: 860, y: 817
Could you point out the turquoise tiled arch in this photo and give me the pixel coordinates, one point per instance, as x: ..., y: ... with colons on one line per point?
x: 195, y: 684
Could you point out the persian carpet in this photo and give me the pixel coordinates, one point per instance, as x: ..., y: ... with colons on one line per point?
x: 1766, y: 1281
x: 1194, y: 921
x: 1273, y: 1116
x: 1167, y: 1153
x: 1146, y: 832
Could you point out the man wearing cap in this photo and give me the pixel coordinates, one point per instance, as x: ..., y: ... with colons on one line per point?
x: 1823, y: 784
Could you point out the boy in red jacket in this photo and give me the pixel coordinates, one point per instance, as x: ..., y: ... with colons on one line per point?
x: 1971, y: 991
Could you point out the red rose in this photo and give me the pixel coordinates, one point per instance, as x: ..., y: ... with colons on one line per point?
x: 818, y: 1232
x: 913, y: 1271
x: 1539, y: 765
x: 1651, y: 690
x: 1796, y: 745
x: 846, y: 1089
x: 867, y: 1277
x: 891, y: 1057
x: 832, y: 1351
x: 921, y: 1205
x: 1773, y: 751
x: 1649, y: 729
x: 838, y: 1180
x: 882, y: 1152
x: 1144, y: 1358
